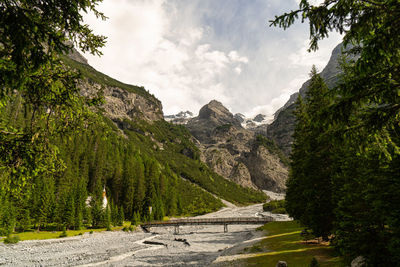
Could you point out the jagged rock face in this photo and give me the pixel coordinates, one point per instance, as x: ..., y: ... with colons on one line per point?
x: 240, y: 117
x: 216, y: 113
x: 213, y: 120
x: 227, y: 148
x: 259, y: 118
x: 227, y: 165
x: 282, y: 128
x: 121, y: 104
x: 266, y: 169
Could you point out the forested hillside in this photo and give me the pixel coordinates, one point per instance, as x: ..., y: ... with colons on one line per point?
x: 68, y: 133
x: 344, y: 182
x: 140, y: 164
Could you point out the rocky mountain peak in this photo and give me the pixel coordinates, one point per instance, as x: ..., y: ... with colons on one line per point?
x: 259, y: 118
x: 180, y: 118
x: 240, y: 117
x: 233, y: 151
x: 217, y: 113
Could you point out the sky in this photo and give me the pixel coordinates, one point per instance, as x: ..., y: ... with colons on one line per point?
x: 189, y: 52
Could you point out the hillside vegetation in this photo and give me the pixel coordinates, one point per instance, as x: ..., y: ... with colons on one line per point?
x: 140, y: 164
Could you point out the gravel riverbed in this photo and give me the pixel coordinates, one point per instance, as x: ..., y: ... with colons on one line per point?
x: 161, y: 247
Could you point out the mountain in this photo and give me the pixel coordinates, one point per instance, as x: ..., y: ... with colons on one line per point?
x: 258, y: 123
x: 139, y: 117
x: 148, y: 167
x: 282, y: 128
x: 180, y: 118
x: 236, y: 153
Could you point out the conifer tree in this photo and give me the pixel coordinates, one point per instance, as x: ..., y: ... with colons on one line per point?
x: 309, y: 195
x: 121, y: 217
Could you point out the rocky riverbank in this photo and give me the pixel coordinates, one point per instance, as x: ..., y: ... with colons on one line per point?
x: 193, y: 246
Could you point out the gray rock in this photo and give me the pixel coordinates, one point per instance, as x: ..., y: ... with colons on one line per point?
x: 281, y: 264
x: 121, y: 104
x: 358, y: 262
x: 259, y: 118
x: 232, y: 151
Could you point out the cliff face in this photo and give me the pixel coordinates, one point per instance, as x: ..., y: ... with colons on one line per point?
x: 282, y: 128
x: 121, y: 101
x: 232, y: 151
x: 120, y: 104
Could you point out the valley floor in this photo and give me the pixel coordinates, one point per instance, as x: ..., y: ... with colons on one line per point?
x: 205, y: 245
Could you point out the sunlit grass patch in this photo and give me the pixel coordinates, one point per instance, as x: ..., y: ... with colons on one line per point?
x: 285, y: 243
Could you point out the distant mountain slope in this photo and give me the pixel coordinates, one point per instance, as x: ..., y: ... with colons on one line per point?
x: 282, y: 128
x: 237, y: 153
x: 138, y: 118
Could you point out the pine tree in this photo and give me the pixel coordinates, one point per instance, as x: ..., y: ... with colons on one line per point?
x: 107, y: 218
x: 121, y: 217
x: 309, y: 193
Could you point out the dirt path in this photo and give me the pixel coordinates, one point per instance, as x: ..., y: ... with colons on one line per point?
x: 204, y: 244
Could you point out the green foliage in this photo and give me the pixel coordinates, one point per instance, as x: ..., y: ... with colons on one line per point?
x: 11, y: 239
x: 275, y: 206
x: 314, y: 263
x: 136, y: 218
x: 107, y: 218
x: 35, y: 83
x: 129, y: 228
x: 57, y: 154
x: 309, y: 191
x: 361, y: 175
x: 63, y: 233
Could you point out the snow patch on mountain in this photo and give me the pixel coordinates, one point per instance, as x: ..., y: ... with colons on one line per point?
x: 180, y: 118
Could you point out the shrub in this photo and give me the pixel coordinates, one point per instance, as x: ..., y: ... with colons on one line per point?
x: 129, y: 228
x: 279, y: 211
x: 3, y: 232
x: 12, y: 239
x: 64, y: 233
x: 314, y: 263
x: 275, y: 206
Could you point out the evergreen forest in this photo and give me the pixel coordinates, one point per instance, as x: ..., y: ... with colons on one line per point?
x: 344, y: 182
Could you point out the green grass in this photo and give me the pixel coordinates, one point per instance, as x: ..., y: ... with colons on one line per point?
x: 283, y: 242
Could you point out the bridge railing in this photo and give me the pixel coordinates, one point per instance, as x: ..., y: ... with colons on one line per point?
x: 228, y: 220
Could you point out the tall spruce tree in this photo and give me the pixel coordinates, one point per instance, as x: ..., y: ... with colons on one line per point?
x: 309, y: 195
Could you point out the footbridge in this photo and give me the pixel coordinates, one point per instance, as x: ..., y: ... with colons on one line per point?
x: 206, y: 221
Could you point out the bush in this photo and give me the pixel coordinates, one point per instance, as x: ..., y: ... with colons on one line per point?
x: 129, y: 228
x: 64, y: 233
x: 12, y: 239
x: 275, y: 206
x: 3, y: 232
x: 279, y: 211
x: 314, y: 263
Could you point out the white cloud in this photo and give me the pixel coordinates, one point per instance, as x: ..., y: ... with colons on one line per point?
x: 189, y: 52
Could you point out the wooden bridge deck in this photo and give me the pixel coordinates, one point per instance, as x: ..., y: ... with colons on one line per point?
x: 207, y: 221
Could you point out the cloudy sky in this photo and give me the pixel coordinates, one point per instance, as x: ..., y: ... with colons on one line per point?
x: 188, y: 52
